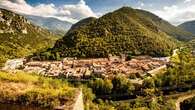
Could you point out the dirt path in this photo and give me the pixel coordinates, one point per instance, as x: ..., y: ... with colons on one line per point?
x: 181, y: 99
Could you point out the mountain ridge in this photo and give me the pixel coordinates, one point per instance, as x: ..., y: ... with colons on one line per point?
x: 52, y: 24
x: 121, y: 31
x: 160, y: 25
x: 188, y: 26
x: 167, y: 27
x: 19, y: 38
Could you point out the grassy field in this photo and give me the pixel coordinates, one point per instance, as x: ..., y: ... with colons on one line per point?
x: 29, y: 89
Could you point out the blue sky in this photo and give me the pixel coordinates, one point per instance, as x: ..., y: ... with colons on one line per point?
x: 174, y: 11
x: 107, y: 5
x: 96, y: 5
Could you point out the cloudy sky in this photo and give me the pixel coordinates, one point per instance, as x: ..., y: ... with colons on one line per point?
x: 174, y: 11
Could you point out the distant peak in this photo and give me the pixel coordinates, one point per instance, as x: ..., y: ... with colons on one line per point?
x: 126, y: 8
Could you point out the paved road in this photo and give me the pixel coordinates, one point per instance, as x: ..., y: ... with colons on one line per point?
x: 181, y: 99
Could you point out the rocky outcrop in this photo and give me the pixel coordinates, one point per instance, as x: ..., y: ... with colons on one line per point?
x: 12, y: 24
x: 24, y: 31
x: 20, y: 38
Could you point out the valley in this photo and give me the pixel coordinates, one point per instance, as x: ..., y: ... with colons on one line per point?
x: 18, y: 37
x: 127, y: 59
x: 86, y: 68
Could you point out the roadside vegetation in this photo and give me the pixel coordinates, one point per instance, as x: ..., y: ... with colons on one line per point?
x: 188, y: 104
x: 29, y: 89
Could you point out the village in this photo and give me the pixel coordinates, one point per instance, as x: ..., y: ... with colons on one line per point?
x: 73, y: 68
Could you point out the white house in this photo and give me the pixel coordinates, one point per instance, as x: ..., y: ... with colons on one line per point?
x: 14, y: 64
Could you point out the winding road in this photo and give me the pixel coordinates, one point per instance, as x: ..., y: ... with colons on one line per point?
x: 181, y: 99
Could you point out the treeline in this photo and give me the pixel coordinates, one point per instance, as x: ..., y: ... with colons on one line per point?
x: 119, y: 86
x: 120, y: 94
x: 181, y: 71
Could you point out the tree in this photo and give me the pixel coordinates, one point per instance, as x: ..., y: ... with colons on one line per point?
x: 124, y: 106
x: 182, y: 66
x: 148, y: 83
x: 88, y: 98
x: 88, y: 94
x: 122, y: 85
x: 130, y: 87
x: 45, y: 55
x: 57, y: 56
x: 119, y: 84
x: 108, y: 86
x: 129, y: 57
x: 101, y: 87
x: 153, y: 105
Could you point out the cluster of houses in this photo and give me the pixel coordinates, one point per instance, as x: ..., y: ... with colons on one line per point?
x: 85, y: 68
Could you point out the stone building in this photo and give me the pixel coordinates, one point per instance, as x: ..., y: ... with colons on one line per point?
x: 14, y: 64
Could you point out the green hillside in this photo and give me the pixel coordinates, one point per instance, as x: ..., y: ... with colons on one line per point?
x: 122, y: 31
x: 165, y: 26
x: 82, y: 22
x: 18, y: 37
x: 188, y: 26
x: 157, y: 22
x: 27, y: 89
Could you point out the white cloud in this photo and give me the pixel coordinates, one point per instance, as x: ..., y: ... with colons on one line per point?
x: 142, y: 4
x: 187, y: 1
x: 79, y: 10
x: 177, y: 14
x: 67, y: 12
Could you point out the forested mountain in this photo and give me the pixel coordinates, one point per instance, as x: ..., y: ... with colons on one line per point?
x: 52, y: 24
x: 166, y: 27
x: 121, y: 31
x: 82, y: 22
x: 176, y: 32
x: 188, y: 26
x: 18, y: 37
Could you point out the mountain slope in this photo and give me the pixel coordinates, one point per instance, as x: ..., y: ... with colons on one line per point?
x: 18, y: 37
x: 188, y: 26
x: 122, y: 31
x: 54, y: 25
x: 82, y: 22
x: 166, y: 27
